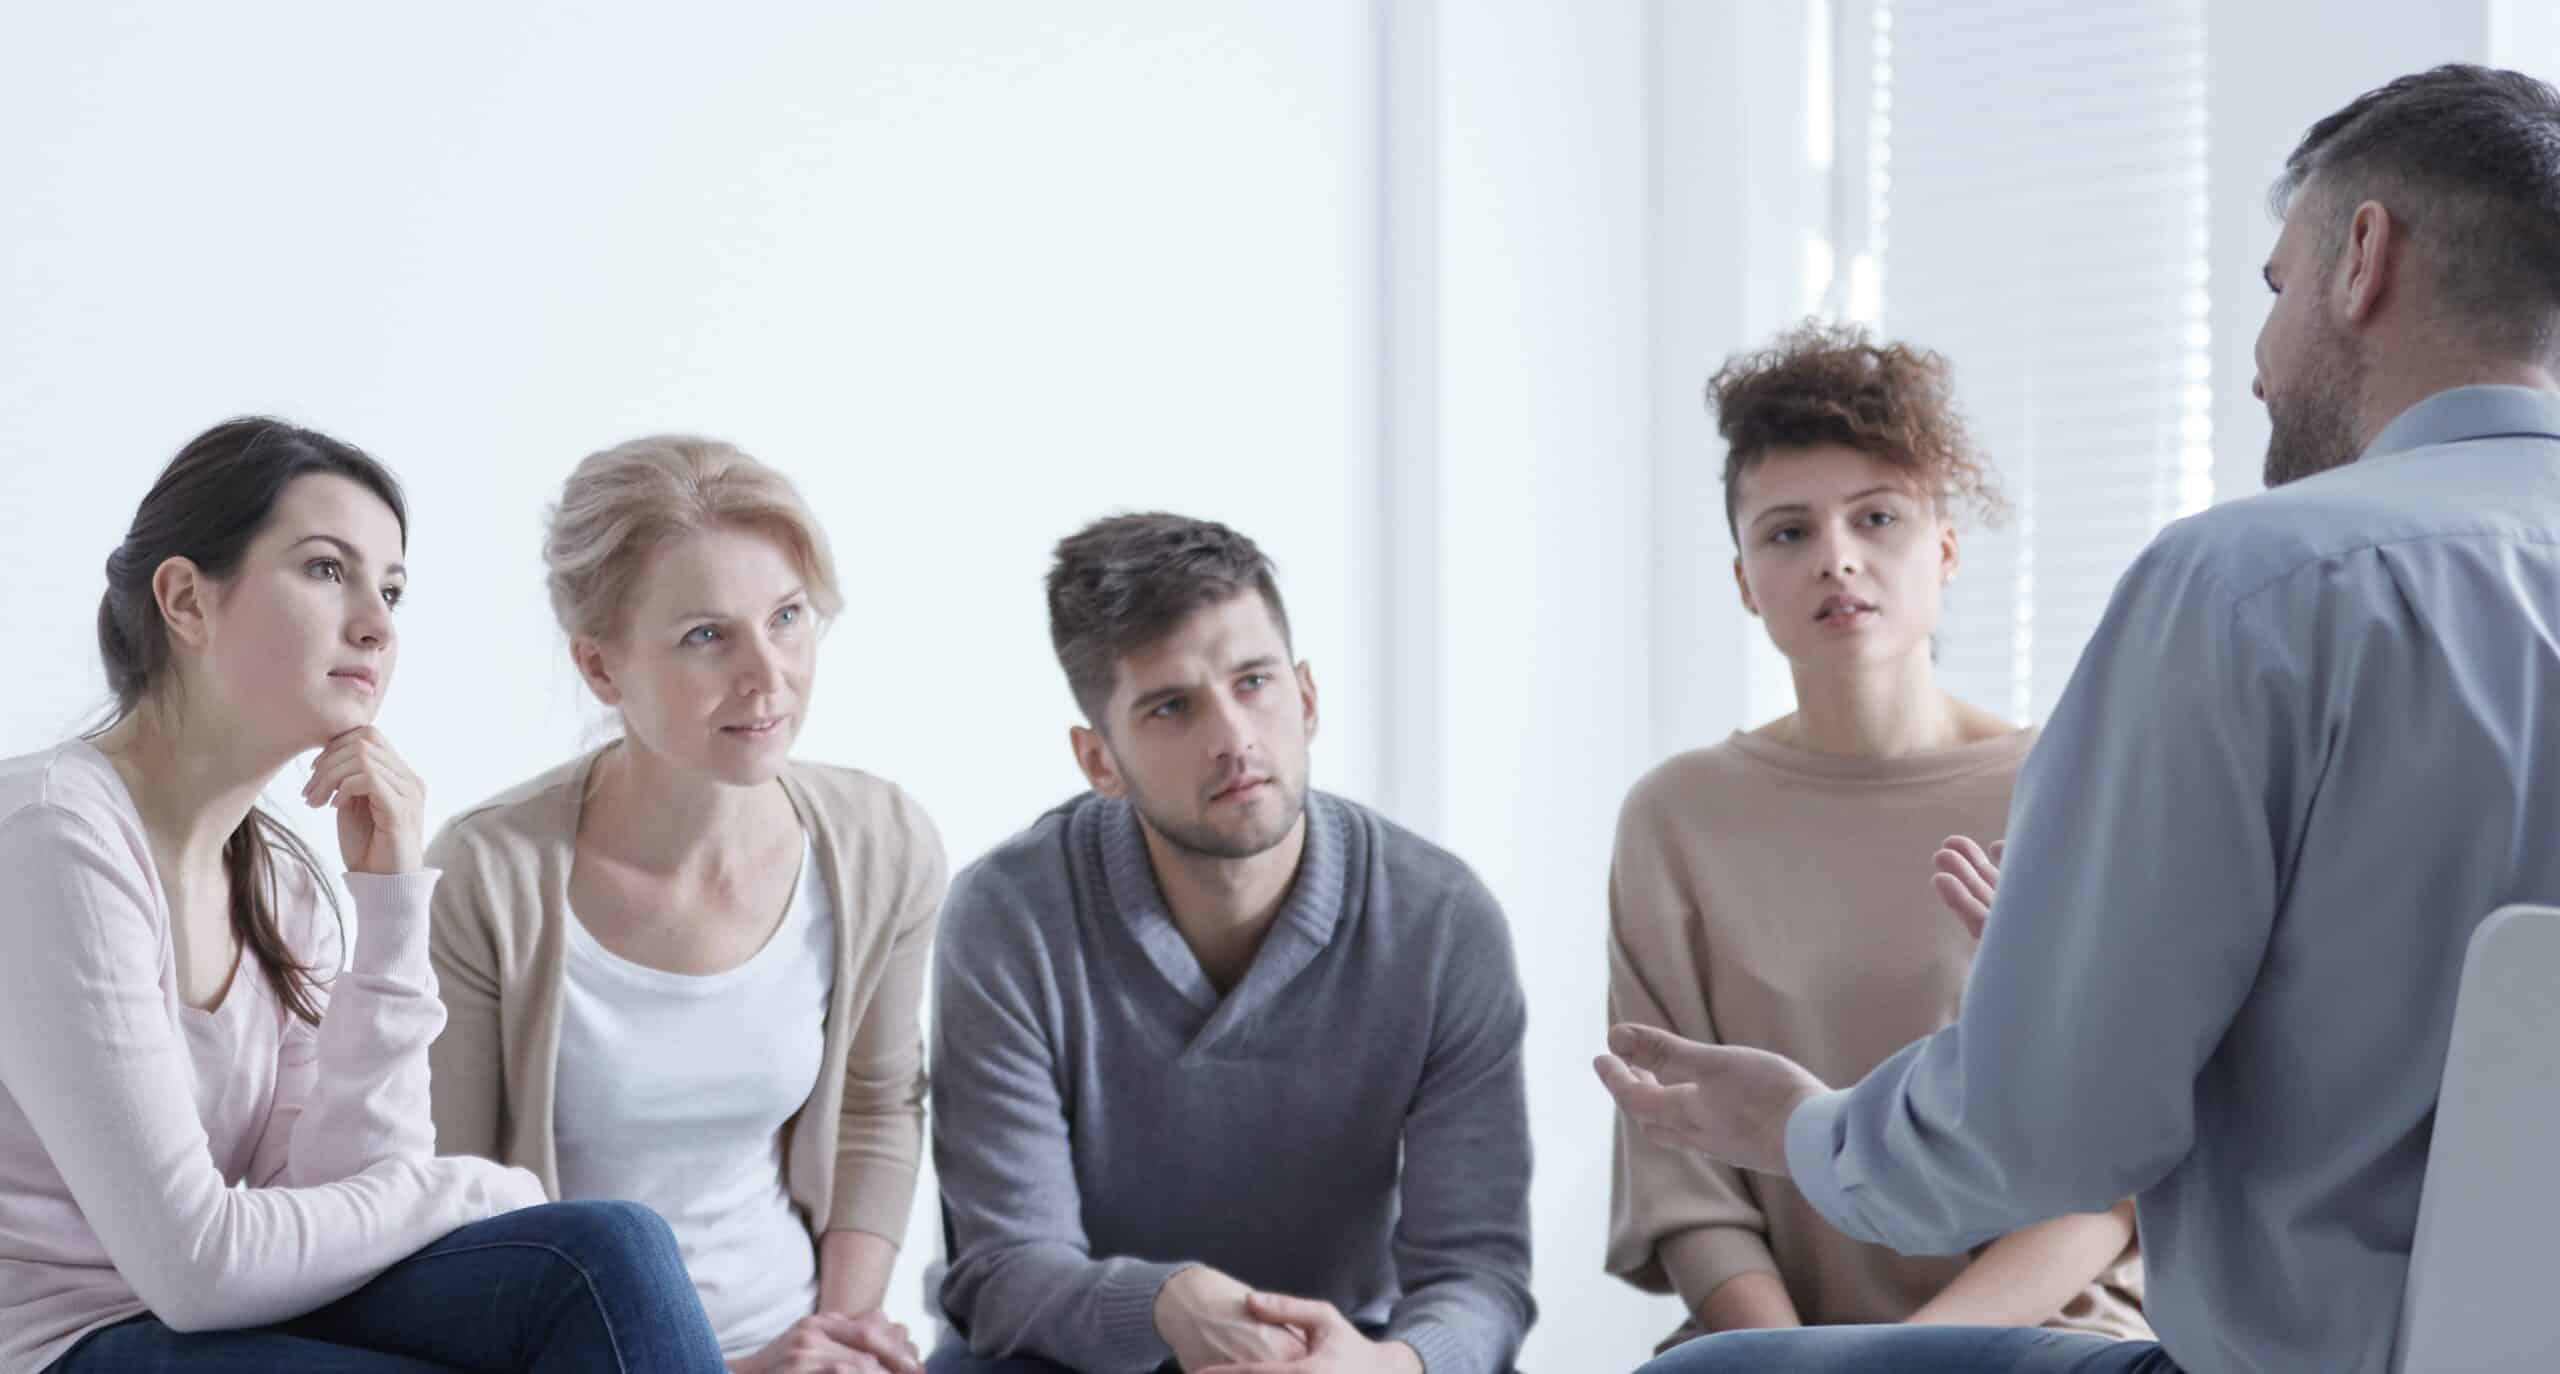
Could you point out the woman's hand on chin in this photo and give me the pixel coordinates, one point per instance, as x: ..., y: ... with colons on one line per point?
x: 381, y: 803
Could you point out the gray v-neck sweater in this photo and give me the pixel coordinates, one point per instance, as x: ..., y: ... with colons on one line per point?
x: 1348, y: 1123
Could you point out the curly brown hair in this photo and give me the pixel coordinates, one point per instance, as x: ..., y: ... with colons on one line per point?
x: 1832, y: 383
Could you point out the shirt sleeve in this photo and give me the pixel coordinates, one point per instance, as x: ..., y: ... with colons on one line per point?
x: 1022, y: 1278
x: 364, y: 1099
x: 91, y: 1054
x: 1461, y: 1242
x: 2145, y: 848
x: 880, y: 1130
x: 1660, y: 1193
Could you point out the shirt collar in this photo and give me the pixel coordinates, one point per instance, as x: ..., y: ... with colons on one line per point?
x: 2469, y: 412
x: 1312, y: 910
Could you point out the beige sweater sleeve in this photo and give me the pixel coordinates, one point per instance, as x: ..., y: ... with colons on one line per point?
x: 1677, y: 1221
x: 880, y: 1129
x: 467, y: 1064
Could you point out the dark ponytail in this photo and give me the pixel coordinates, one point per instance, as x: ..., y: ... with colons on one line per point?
x: 209, y: 503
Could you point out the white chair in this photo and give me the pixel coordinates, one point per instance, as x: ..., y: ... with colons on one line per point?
x: 2479, y: 1294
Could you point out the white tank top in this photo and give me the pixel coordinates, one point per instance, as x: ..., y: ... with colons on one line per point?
x: 673, y: 1091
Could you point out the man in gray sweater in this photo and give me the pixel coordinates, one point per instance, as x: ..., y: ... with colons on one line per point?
x: 1226, y: 1072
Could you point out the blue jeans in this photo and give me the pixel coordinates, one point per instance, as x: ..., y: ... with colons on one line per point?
x: 567, y: 1286
x: 1912, y: 1350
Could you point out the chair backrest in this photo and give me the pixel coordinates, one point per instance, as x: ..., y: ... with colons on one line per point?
x: 2479, y: 1293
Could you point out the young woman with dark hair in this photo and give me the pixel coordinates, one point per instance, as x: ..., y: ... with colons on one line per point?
x: 215, y: 1143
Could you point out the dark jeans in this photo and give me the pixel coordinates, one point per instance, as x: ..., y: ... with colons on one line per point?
x: 1912, y: 1350
x: 564, y: 1288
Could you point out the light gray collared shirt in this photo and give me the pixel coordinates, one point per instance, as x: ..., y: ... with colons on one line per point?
x: 2315, y: 741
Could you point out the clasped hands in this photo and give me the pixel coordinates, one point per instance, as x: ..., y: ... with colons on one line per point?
x: 1217, y: 1325
x: 1730, y: 1102
x: 837, y: 1343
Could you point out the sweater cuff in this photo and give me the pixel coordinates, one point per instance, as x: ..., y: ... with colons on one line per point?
x: 1124, y: 1305
x: 391, y: 918
x: 1813, y: 1160
x: 1442, y: 1350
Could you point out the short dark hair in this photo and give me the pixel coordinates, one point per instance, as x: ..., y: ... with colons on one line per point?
x: 2468, y: 158
x: 1124, y: 582
x: 1833, y: 383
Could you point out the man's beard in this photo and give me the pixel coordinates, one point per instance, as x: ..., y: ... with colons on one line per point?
x: 1200, y: 839
x: 2314, y: 423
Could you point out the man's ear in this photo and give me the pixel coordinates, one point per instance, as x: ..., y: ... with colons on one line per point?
x: 1307, y: 696
x: 588, y: 654
x: 1093, y: 759
x: 1742, y: 584
x: 2367, y: 268
x: 184, y: 595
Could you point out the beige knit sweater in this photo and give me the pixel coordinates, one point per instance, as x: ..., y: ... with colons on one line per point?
x: 1769, y: 896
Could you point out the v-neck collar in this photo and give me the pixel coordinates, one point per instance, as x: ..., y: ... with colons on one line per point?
x: 1299, y: 931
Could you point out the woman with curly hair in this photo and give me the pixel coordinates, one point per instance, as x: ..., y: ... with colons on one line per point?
x: 1767, y: 890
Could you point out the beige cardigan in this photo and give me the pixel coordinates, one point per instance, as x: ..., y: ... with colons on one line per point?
x: 499, y: 922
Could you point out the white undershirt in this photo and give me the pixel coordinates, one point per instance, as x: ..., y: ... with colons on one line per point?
x: 673, y: 1090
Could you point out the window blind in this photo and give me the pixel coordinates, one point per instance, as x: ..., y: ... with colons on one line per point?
x: 2034, y: 208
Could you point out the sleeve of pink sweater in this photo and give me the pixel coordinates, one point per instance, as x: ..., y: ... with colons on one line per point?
x: 352, y: 1092
x: 90, y: 1052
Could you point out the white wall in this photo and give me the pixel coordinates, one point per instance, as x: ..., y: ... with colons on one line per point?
x: 962, y: 277
x: 1518, y: 306
x: 2525, y: 35
x: 1733, y: 198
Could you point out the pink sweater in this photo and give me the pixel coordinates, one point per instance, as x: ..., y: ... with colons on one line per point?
x: 217, y: 1169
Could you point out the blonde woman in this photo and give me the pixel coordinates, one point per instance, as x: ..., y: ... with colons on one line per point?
x: 685, y: 969
x: 1767, y: 891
